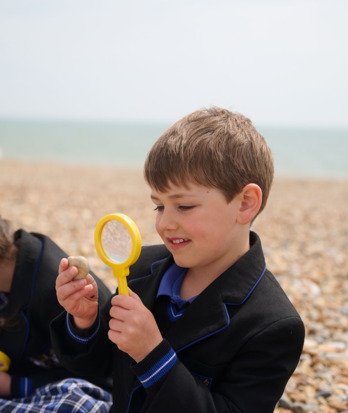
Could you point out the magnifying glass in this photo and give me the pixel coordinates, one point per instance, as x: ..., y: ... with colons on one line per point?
x: 117, y: 240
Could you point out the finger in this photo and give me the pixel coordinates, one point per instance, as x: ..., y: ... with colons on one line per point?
x: 68, y: 289
x: 63, y: 265
x: 123, y: 301
x: 66, y: 276
x: 91, y: 292
x: 73, y: 302
x: 90, y: 280
x: 116, y: 325
x: 83, y: 293
x: 118, y: 313
x: 114, y: 336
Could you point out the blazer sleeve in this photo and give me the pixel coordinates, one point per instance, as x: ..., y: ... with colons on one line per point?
x: 253, y: 381
x: 90, y: 356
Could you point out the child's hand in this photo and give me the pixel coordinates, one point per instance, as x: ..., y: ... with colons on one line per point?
x: 132, y: 326
x: 5, y: 384
x: 78, y: 297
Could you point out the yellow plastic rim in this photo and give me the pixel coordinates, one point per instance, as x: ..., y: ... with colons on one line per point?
x: 120, y: 270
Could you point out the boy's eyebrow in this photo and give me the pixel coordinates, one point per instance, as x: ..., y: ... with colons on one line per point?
x: 174, y: 196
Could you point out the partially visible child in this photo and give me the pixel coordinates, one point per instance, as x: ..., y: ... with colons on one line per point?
x: 28, y: 302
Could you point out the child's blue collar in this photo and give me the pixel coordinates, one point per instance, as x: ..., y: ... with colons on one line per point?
x: 171, y: 284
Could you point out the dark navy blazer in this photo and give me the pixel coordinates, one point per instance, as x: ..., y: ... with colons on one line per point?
x: 237, y: 344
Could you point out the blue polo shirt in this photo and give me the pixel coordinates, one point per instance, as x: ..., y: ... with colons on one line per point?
x: 170, y: 287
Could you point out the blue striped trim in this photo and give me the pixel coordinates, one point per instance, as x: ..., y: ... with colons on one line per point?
x: 131, y: 396
x: 37, y: 268
x: 25, y: 386
x: 252, y: 288
x: 74, y: 336
x: 160, y: 369
x: 172, y: 313
x: 27, y: 331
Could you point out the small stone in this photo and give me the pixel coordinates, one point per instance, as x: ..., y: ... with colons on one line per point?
x: 344, y: 310
x: 324, y: 393
x: 285, y: 403
x: 332, y: 347
x: 299, y: 408
x: 81, y: 264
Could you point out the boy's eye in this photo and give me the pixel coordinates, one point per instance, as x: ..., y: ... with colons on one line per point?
x: 185, y: 207
x: 160, y: 208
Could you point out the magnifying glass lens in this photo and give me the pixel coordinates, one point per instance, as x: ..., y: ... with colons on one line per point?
x: 116, y: 241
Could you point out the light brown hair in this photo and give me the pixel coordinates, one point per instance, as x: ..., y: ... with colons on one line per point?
x: 212, y: 147
x: 6, y: 240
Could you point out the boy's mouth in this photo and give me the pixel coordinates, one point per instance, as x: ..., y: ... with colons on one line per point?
x: 178, y: 242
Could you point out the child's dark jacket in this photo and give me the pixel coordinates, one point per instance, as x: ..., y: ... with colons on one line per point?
x: 32, y: 304
x: 237, y: 344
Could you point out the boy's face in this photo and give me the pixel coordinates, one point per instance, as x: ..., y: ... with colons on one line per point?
x: 199, y: 227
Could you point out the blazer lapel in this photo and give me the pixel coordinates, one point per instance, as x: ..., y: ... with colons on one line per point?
x: 208, y: 314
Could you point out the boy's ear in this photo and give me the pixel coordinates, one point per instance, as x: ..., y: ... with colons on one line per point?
x: 250, y: 203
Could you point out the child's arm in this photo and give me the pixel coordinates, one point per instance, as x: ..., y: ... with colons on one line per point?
x: 253, y: 381
x: 82, y: 329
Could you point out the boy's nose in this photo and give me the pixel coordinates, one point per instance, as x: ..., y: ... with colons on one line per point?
x: 166, y: 221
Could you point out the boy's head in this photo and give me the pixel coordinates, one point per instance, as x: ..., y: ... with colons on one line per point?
x: 211, y: 147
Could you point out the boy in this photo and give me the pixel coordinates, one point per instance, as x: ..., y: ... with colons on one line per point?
x: 28, y: 303
x: 206, y: 327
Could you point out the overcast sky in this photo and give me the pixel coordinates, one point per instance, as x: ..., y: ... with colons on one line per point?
x: 282, y: 62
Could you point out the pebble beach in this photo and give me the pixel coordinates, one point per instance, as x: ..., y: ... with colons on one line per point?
x: 304, y: 231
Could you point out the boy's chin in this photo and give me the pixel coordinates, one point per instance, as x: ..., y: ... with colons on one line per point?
x: 181, y: 262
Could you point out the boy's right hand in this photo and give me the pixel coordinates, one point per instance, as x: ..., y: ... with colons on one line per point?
x: 78, y: 297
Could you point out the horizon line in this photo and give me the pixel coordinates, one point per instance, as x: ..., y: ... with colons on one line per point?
x: 161, y: 122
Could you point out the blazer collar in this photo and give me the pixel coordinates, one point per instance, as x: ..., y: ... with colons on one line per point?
x: 207, y: 314
x: 239, y: 281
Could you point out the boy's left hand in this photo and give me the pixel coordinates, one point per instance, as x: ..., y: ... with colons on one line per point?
x: 133, y: 328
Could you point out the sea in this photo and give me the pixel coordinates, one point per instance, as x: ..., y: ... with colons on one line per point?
x: 298, y: 151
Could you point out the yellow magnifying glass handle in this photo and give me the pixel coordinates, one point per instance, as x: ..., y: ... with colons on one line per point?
x: 122, y: 285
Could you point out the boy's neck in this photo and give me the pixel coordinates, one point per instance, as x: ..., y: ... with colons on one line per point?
x: 199, y: 278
